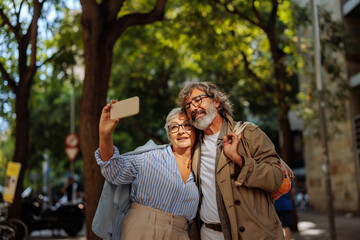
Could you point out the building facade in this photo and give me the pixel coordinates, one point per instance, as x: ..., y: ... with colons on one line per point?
x: 344, y: 148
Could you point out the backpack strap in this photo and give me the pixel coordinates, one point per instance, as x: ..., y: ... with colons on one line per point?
x: 240, y: 126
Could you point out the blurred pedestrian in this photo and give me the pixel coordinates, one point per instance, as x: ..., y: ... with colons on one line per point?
x: 283, y: 207
x: 69, y: 190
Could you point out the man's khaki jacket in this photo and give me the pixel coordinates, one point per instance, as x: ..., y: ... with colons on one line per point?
x: 245, y: 207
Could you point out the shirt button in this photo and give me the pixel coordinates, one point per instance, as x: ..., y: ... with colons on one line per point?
x: 242, y: 229
x: 237, y: 202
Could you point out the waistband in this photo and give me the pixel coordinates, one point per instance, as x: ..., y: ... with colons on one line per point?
x: 160, y: 217
x: 214, y: 226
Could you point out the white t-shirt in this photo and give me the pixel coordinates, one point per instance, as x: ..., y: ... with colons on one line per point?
x: 208, y: 211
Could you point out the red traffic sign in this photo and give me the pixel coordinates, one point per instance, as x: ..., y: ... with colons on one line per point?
x: 71, y: 152
x: 71, y: 140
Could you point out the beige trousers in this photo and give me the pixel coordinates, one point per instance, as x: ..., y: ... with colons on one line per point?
x: 142, y: 222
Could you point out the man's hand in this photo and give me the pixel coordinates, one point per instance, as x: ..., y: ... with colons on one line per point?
x: 231, y: 144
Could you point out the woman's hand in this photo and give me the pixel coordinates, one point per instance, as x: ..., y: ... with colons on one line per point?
x: 231, y: 144
x: 106, y: 129
x: 106, y: 125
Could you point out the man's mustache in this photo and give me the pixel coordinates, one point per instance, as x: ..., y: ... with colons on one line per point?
x: 194, y: 113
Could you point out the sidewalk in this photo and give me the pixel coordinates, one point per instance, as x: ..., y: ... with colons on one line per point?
x: 47, y: 234
x: 314, y: 225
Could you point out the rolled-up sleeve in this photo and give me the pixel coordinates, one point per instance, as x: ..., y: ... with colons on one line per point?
x: 120, y: 169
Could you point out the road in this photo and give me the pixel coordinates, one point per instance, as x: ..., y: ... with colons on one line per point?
x: 49, y: 234
x: 315, y: 226
x: 312, y: 226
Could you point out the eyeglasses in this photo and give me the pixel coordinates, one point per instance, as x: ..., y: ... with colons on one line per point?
x: 174, y: 127
x: 196, y: 101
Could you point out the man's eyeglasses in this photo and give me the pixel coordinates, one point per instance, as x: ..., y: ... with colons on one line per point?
x: 174, y: 127
x: 196, y: 101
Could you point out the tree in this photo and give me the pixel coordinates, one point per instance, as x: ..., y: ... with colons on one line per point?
x: 150, y: 63
x: 103, y: 22
x: 19, y: 63
x: 264, y: 16
x: 50, y: 100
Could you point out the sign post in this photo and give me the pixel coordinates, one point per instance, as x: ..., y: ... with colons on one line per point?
x: 71, y: 146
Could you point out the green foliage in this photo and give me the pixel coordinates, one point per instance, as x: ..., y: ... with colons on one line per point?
x: 154, y: 62
x: 197, y: 41
x: 50, y: 121
x: 6, y: 154
x: 59, y: 49
x: 50, y: 102
x: 231, y: 46
x: 147, y: 66
x: 139, y: 6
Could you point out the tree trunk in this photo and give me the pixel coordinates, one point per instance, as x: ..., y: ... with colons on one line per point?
x: 280, y: 93
x: 26, y: 71
x: 286, y: 147
x: 286, y: 139
x: 101, y: 28
x: 98, y: 55
x: 21, y: 145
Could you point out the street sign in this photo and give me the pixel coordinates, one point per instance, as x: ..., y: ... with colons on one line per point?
x: 12, y: 174
x: 71, y: 140
x: 71, y: 152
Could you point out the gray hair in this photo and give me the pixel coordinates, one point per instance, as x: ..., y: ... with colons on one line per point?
x: 172, y: 114
x: 211, y: 90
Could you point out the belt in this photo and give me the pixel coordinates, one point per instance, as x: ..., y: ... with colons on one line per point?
x: 215, y: 227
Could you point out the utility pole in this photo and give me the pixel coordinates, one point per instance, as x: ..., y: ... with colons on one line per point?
x: 322, y: 106
x: 72, y: 115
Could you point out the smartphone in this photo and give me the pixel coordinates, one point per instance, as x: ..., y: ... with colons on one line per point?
x: 125, y: 108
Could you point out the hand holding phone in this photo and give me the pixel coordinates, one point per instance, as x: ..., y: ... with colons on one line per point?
x: 125, y: 108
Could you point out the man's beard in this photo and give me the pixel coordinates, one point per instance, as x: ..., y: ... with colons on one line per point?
x: 204, y: 121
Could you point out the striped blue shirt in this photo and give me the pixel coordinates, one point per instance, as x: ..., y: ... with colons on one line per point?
x: 156, y: 180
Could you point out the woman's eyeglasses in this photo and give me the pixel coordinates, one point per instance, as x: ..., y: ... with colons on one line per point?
x: 174, y: 127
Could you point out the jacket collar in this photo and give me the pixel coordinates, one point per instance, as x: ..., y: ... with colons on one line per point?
x: 228, y: 126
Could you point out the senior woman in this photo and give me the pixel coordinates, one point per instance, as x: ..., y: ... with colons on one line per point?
x: 163, y: 196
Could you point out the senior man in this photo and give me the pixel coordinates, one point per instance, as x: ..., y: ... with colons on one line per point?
x: 235, y: 173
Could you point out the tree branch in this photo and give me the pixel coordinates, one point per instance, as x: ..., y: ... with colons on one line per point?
x: 268, y: 88
x: 257, y: 15
x: 133, y: 19
x: 7, y: 77
x: 238, y: 13
x: 33, y: 33
x: 272, y: 18
x: 143, y: 131
x: 13, y: 29
x: 18, y: 15
x: 113, y: 7
x: 52, y: 57
x: 89, y: 7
